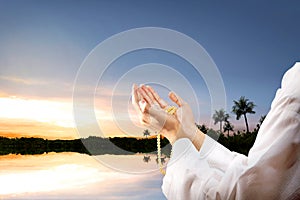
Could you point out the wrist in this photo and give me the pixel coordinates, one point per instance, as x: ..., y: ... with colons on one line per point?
x: 198, y: 139
x: 170, y: 136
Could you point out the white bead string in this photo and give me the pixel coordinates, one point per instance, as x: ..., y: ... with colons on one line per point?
x: 170, y: 110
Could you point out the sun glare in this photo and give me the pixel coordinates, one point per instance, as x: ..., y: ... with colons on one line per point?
x: 56, y: 113
x: 31, y: 117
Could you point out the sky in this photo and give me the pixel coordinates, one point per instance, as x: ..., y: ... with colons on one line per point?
x: 44, y: 43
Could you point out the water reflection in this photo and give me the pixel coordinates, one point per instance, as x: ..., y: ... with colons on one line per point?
x: 136, y: 164
x: 79, y: 176
x: 147, y: 159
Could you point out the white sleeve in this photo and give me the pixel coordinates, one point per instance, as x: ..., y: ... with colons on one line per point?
x: 271, y: 170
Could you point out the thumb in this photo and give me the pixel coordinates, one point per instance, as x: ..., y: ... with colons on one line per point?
x: 176, y: 99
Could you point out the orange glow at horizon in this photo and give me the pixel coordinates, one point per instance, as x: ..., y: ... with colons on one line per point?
x: 21, y: 117
x: 56, y: 113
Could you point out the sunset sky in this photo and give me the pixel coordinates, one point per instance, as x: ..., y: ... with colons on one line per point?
x: 43, y: 44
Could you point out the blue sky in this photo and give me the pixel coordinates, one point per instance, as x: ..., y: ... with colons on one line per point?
x: 252, y: 43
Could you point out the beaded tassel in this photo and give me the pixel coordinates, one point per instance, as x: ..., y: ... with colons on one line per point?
x: 170, y: 110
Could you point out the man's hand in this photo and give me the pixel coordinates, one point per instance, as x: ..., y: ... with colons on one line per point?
x: 153, y: 114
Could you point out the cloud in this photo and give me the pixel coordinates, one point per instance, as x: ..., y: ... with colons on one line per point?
x: 23, y: 80
x: 37, y: 88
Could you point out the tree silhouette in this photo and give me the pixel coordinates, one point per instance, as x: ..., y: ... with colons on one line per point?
x: 202, y: 128
x: 146, y: 133
x: 241, y: 108
x: 261, y: 120
x: 220, y: 116
x: 228, y: 126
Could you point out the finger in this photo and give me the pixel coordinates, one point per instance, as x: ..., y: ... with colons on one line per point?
x: 148, y: 92
x: 145, y: 96
x: 160, y: 101
x: 135, y: 97
x: 133, y: 92
x: 176, y: 99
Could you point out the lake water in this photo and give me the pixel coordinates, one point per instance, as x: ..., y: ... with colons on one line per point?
x: 80, y: 176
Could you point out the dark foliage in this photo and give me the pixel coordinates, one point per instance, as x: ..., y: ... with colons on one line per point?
x: 92, y: 145
x: 241, y: 142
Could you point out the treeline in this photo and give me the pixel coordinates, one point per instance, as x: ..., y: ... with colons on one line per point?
x: 92, y: 145
x: 39, y: 146
x: 240, y: 142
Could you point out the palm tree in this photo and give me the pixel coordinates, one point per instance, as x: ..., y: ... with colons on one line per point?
x: 228, y: 126
x: 241, y: 108
x: 220, y: 116
x: 146, y: 133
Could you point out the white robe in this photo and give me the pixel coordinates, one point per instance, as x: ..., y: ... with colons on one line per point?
x: 270, y: 171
